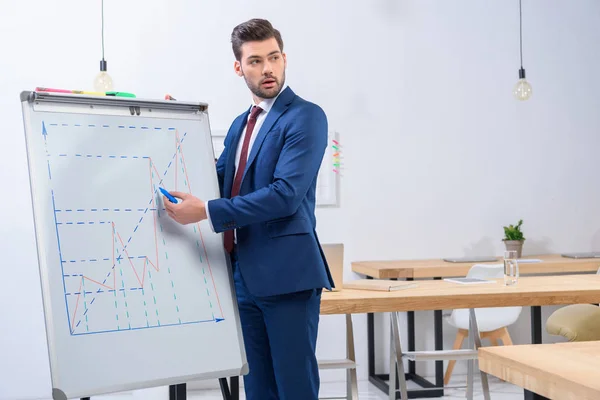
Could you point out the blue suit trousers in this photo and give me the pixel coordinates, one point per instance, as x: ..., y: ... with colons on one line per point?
x: 280, y: 336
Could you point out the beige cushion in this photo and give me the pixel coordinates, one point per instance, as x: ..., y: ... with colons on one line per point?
x: 577, y: 322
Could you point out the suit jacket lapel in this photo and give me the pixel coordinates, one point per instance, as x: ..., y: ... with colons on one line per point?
x: 279, y: 107
x: 233, y: 144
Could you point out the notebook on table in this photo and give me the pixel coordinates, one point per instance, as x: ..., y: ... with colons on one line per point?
x: 590, y: 254
x: 383, y: 285
x: 473, y: 259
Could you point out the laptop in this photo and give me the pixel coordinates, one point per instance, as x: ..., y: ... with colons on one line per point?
x: 590, y: 254
x: 473, y: 259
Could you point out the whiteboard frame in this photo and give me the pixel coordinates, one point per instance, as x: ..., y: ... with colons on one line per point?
x: 135, y: 107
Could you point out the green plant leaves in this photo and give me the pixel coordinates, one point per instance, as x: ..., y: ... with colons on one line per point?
x: 513, y: 232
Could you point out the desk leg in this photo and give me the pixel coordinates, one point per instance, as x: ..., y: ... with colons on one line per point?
x: 536, y: 338
x: 439, y: 345
x: 410, y: 327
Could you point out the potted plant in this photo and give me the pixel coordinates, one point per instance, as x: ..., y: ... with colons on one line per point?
x: 513, y: 238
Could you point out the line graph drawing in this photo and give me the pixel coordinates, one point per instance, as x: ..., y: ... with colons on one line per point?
x: 120, y: 264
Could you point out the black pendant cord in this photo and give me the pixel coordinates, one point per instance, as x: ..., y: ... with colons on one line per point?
x: 521, y: 33
x: 102, y: 29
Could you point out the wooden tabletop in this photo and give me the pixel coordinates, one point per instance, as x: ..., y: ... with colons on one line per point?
x: 557, y: 371
x: 442, y: 295
x: 551, y: 264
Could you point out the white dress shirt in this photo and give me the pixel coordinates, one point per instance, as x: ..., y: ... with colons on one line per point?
x: 266, y: 106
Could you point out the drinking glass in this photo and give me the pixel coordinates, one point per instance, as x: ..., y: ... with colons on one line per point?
x: 511, y: 268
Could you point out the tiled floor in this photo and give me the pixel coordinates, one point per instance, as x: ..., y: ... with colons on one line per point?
x: 498, y: 391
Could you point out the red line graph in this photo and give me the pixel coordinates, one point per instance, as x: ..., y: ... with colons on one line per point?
x: 198, y: 224
x: 76, y: 306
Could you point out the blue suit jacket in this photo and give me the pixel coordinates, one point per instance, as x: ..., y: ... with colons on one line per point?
x: 277, y: 245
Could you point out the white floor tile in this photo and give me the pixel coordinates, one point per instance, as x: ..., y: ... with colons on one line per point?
x: 498, y: 391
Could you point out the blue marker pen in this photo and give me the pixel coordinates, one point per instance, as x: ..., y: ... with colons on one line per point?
x: 171, y: 198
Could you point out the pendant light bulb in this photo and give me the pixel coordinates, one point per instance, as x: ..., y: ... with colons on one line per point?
x: 522, y: 89
x: 103, y: 81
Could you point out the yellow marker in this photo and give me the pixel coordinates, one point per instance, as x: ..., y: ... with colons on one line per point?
x: 88, y: 93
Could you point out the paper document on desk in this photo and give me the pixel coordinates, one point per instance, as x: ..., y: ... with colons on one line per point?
x: 383, y: 285
x: 468, y: 281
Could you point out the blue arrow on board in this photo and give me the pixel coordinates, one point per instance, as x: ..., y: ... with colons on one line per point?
x: 44, y: 131
x: 219, y: 319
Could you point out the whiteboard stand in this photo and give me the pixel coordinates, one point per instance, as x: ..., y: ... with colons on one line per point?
x: 179, y: 392
x: 123, y: 285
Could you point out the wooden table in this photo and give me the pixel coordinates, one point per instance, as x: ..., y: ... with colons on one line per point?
x: 418, y: 269
x: 566, y: 371
x: 438, y: 269
x: 436, y: 295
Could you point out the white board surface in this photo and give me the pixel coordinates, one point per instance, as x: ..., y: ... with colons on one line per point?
x: 131, y: 298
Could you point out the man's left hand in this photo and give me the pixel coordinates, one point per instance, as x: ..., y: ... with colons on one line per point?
x: 187, y: 211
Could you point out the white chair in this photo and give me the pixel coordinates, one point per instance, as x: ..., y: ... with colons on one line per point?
x: 492, y: 322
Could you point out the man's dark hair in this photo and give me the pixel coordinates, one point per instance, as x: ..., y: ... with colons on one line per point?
x: 253, y: 30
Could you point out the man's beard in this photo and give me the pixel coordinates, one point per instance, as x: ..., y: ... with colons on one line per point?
x: 258, y: 92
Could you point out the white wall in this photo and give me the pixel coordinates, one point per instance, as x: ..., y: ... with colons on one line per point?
x: 438, y: 155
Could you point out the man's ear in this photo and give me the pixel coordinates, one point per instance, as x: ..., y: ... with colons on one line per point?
x: 237, y: 67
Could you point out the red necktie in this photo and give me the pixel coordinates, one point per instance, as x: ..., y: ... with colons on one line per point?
x: 237, y: 182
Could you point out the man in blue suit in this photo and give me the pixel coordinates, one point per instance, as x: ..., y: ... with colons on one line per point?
x: 267, y: 176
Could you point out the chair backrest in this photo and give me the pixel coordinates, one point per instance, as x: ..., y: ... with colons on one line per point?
x: 486, y: 271
x: 334, y: 254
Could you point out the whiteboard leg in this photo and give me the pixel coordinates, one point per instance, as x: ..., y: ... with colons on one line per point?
x: 178, y: 392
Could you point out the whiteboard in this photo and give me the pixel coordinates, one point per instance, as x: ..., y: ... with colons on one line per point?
x: 328, y: 178
x: 131, y: 298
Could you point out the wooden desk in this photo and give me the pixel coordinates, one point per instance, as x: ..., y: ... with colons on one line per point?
x: 533, y: 291
x: 435, y: 295
x: 566, y: 371
x: 438, y: 269
x: 418, y: 269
